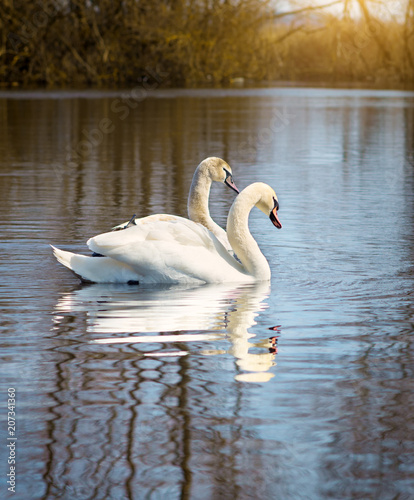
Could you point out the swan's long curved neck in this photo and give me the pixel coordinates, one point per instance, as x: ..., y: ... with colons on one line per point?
x: 240, y: 238
x: 198, y: 196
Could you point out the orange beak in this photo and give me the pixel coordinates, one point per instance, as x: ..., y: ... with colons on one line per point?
x: 275, y: 219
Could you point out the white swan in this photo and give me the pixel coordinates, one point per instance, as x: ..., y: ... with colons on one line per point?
x: 169, y: 249
x: 209, y: 170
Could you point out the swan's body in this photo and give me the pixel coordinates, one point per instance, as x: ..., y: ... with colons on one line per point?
x: 171, y: 249
x: 209, y: 170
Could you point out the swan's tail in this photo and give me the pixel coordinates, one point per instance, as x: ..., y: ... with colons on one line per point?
x: 96, y: 269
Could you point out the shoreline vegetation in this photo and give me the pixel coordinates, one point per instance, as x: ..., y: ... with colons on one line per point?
x: 216, y: 42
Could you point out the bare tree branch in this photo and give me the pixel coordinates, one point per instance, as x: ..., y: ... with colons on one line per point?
x: 374, y: 32
x: 305, y: 9
x: 289, y: 33
x: 409, y: 16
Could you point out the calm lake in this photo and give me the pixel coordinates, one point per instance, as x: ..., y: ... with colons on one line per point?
x: 301, y: 388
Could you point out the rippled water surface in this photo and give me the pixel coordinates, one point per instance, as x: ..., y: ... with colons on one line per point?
x: 297, y: 389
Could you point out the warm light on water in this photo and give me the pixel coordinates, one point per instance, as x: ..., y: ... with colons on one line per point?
x: 297, y: 389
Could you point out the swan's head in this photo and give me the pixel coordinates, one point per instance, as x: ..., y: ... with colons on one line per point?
x: 268, y: 203
x: 219, y: 171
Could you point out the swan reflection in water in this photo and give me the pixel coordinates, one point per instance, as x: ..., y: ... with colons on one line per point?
x: 118, y: 314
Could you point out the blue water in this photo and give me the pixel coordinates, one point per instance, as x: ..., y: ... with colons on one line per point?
x: 297, y: 389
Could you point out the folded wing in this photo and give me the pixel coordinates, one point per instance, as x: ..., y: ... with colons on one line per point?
x: 165, y: 248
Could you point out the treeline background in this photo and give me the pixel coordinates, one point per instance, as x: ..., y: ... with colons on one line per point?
x: 189, y: 42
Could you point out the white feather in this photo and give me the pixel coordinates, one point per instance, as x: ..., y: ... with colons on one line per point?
x: 208, y: 171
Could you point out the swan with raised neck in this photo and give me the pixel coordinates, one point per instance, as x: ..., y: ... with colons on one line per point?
x: 242, y: 242
x: 210, y: 170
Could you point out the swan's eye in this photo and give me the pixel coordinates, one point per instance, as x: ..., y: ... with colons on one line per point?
x: 275, y: 204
